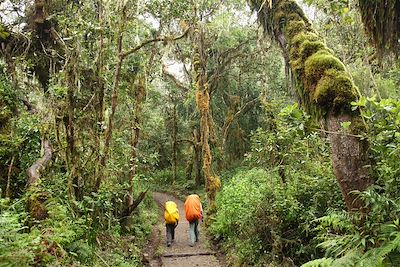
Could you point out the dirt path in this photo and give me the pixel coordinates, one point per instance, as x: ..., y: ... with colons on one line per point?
x: 179, y: 254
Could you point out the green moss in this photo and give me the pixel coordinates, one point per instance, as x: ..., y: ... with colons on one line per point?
x: 4, y: 34
x: 300, y: 38
x: 295, y: 27
x: 357, y: 125
x: 335, y: 90
x: 287, y: 14
x: 297, y: 60
x: 322, y: 82
x: 315, y: 66
x: 308, y: 48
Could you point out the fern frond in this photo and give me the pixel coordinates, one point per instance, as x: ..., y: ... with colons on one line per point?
x: 324, y: 262
x: 350, y: 259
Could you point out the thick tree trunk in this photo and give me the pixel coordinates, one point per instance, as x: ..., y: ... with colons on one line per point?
x: 349, y: 156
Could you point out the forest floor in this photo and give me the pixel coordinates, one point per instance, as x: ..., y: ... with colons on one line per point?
x: 179, y: 254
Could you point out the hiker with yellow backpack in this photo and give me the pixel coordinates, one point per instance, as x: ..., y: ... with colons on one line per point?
x: 171, y: 216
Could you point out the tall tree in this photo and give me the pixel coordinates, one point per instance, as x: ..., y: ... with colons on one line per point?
x: 324, y: 88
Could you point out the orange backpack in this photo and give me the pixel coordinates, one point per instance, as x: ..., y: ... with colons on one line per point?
x: 193, y: 210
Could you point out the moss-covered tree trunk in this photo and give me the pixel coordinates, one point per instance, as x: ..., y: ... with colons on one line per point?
x: 203, y: 104
x: 324, y: 88
x: 130, y: 202
x: 71, y: 77
x: 114, y: 97
x: 197, y: 157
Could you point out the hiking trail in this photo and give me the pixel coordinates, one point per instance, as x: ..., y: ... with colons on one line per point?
x: 179, y: 254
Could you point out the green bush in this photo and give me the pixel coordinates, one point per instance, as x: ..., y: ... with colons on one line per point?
x: 263, y: 220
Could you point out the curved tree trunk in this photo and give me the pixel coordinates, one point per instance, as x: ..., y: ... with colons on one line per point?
x: 325, y: 89
x: 36, y: 202
x: 39, y: 165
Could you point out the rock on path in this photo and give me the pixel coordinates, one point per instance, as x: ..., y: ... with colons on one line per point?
x: 180, y: 254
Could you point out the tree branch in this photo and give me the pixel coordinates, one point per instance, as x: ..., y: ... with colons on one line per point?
x: 225, y: 58
x: 186, y: 140
x: 174, y: 79
x: 159, y: 39
x: 240, y: 111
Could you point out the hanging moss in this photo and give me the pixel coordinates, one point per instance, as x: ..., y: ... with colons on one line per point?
x: 381, y: 20
x: 202, y: 100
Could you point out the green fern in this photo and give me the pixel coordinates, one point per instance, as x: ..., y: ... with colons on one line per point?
x: 350, y: 259
x: 324, y: 262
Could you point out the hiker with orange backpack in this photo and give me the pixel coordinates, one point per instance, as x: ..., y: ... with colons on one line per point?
x: 171, y: 216
x: 193, y: 213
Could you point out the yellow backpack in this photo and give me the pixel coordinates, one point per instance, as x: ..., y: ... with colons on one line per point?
x: 171, y: 213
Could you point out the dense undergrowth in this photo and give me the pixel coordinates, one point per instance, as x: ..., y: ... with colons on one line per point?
x: 87, y: 236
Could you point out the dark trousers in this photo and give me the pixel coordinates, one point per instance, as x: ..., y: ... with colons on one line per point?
x: 170, y: 232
